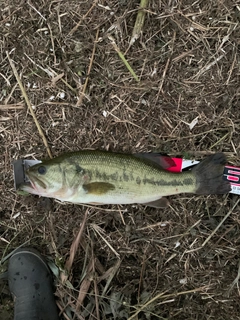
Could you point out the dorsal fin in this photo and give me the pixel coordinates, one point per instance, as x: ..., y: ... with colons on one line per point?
x: 164, y: 161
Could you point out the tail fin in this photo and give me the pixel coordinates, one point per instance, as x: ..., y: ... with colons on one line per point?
x: 209, y: 175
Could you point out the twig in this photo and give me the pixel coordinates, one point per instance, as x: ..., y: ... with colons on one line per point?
x: 96, y: 291
x: 83, y: 291
x: 216, y: 229
x: 80, y: 21
x: 98, y: 230
x: 38, y: 12
x: 139, y: 22
x: 235, y: 281
x: 53, y: 45
x: 163, y: 77
x: 11, y: 106
x: 197, y: 134
x: 166, y: 68
x: 231, y: 70
x: 29, y: 105
x: 82, y: 93
x: 220, y: 140
x: 75, y: 244
x: 52, y: 74
x: 208, y: 66
x: 203, y: 153
x: 123, y: 58
x: 164, y: 296
x: 111, y: 273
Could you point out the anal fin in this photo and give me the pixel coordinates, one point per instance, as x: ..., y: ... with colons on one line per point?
x: 159, y: 203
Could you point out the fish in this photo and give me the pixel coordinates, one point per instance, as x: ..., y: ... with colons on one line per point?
x: 103, y: 177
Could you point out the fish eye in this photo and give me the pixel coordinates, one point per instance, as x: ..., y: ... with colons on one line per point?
x: 42, y: 170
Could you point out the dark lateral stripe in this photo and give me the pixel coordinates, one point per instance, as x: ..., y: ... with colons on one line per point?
x: 174, y: 183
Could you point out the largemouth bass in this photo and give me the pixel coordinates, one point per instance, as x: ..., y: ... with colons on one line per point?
x: 101, y: 177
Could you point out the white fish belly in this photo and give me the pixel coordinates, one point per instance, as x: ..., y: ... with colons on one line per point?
x: 115, y: 197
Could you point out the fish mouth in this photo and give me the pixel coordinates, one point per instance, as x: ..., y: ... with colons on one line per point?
x: 33, y: 185
x: 27, y: 187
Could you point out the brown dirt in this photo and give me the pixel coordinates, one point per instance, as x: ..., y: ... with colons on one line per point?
x: 188, y: 64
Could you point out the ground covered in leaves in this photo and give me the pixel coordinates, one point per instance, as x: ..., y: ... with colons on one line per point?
x: 124, y: 262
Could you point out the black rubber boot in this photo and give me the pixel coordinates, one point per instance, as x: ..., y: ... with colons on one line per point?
x: 31, y: 285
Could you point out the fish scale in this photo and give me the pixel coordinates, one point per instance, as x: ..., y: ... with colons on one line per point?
x: 126, y: 174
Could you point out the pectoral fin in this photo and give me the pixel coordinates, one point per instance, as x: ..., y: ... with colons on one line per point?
x: 160, y: 203
x: 98, y: 188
